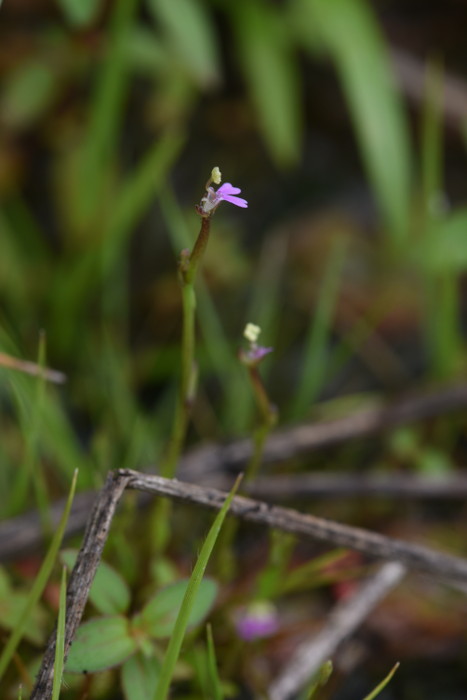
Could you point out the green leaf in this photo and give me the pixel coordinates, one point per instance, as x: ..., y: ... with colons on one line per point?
x: 101, y: 643
x: 444, y: 249
x: 159, y: 615
x: 12, y: 604
x: 11, y: 608
x: 271, y: 74
x: 189, y: 29
x: 27, y: 93
x: 348, y: 31
x: 109, y: 592
x: 106, y: 114
x: 140, y: 675
x: 80, y: 13
x: 144, y: 50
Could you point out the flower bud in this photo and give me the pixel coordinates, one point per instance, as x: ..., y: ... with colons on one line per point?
x: 216, y: 176
x: 251, y: 332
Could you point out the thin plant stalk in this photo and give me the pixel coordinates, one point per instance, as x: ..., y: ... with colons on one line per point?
x: 268, y: 420
x: 268, y: 414
x: 218, y: 347
x: 442, y: 293
x: 187, y: 273
x: 187, y: 269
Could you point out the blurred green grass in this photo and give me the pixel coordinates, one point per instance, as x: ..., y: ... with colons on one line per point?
x: 112, y: 159
x: 68, y: 262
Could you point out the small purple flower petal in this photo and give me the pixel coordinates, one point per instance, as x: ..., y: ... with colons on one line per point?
x: 259, y: 352
x: 238, y: 201
x: 227, y: 189
x: 258, y: 621
x: 226, y: 193
x: 253, y: 355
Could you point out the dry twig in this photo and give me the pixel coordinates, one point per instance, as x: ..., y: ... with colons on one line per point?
x: 285, y: 444
x: 342, y: 622
x: 23, y: 534
x: 81, y: 578
x: 32, y: 368
x: 443, y: 566
x: 324, y: 485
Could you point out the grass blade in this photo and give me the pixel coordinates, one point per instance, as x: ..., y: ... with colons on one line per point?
x: 39, y: 583
x: 107, y: 108
x: 175, y: 643
x: 383, y: 683
x: 313, y: 373
x: 347, y: 29
x: 214, y: 680
x: 270, y: 71
x: 31, y: 472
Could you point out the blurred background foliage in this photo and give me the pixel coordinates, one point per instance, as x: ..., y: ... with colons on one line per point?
x: 338, y: 121
x: 113, y: 114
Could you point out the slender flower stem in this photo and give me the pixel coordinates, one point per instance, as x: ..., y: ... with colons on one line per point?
x: 187, y: 272
x: 268, y: 413
x: 188, y: 267
x: 269, y: 419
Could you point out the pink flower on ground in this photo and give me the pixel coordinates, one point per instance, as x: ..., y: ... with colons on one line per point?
x: 258, y: 621
x: 225, y: 193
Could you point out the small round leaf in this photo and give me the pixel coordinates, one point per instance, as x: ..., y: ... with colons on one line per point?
x: 101, y: 643
x: 140, y: 675
x: 158, y: 617
x: 109, y: 593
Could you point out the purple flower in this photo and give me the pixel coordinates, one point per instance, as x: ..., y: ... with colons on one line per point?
x: 226, y: 193
x: 259, y: 620
x: 254, y: 354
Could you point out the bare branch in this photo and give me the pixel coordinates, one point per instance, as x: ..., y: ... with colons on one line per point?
x: 292, y: 442
x: 22, y: 534
x: 346, y: 617
x: 52, y: 375
x: 325, y: 485
x: 450, y: 568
